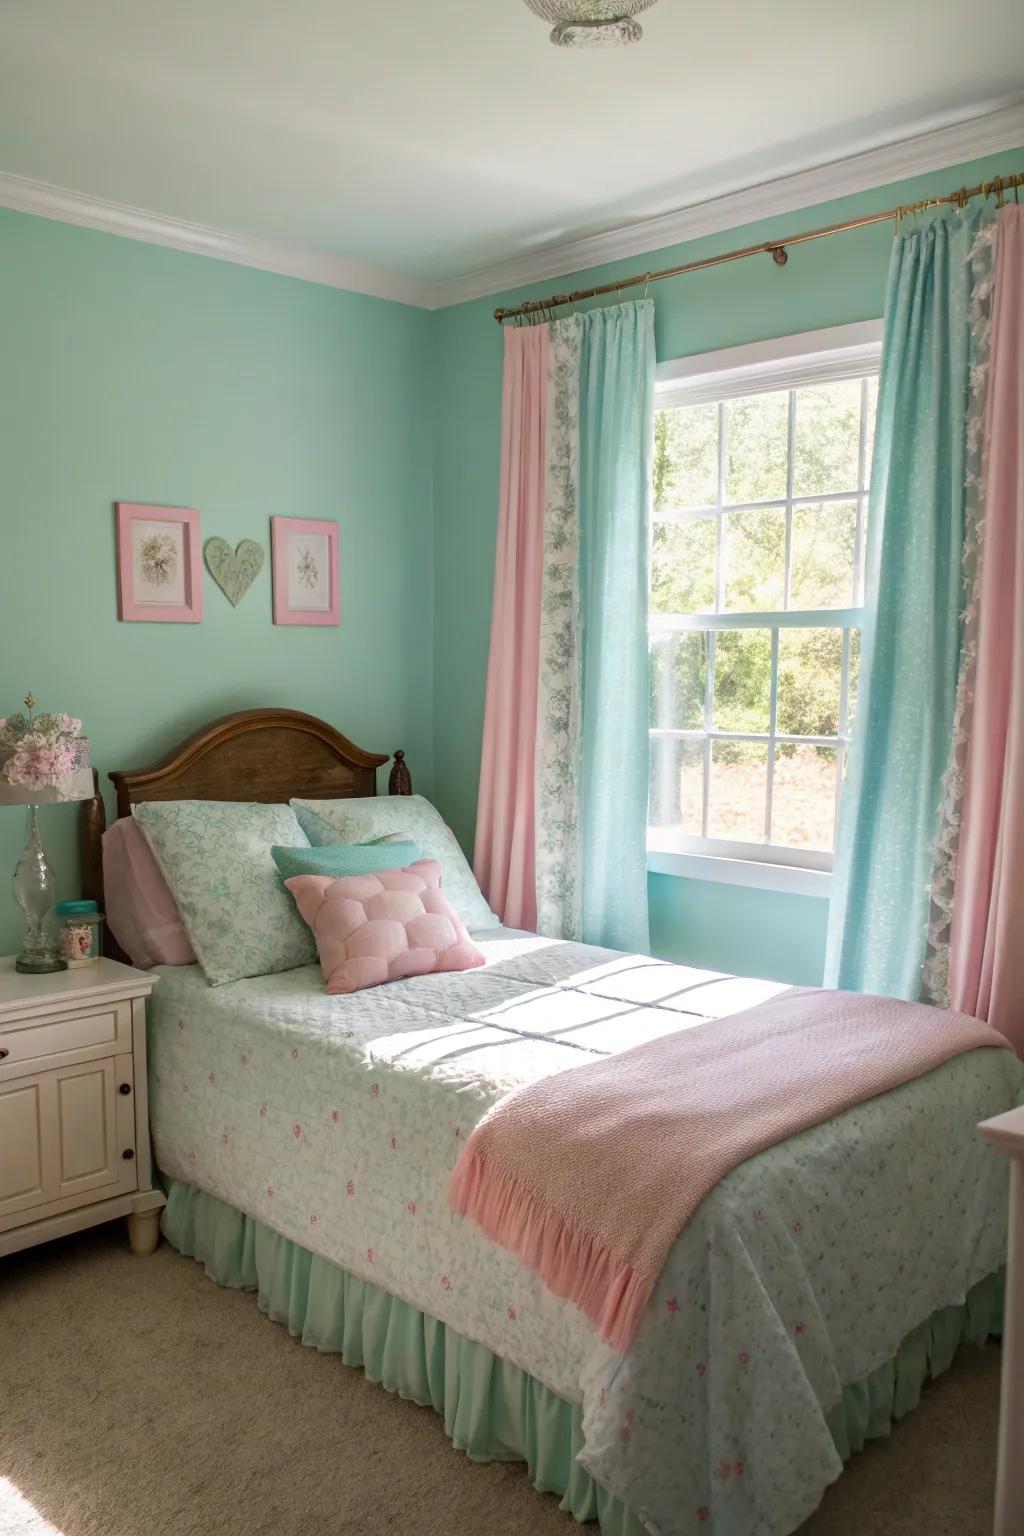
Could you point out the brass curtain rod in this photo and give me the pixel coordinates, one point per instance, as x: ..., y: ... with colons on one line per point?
x: 776, y: 249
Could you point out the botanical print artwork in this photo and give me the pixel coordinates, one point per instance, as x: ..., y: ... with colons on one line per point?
x: 307, y: 570
x: 159, y: 575
x: 158, y: 559
x: 159, y: 562
x: 309, y: 587
x: 306, y: 573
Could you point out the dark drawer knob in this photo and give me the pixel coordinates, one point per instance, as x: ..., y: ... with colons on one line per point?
x: 124, y: 1087
x: 127, y: 1154
x: 3, y: 1052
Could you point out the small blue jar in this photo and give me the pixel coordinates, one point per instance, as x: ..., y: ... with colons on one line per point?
x: 79, y: 932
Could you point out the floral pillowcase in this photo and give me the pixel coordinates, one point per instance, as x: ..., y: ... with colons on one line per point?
x: 215, y: 856
x: 360, y: 820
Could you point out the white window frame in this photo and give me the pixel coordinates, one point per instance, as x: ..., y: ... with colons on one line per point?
x: 783, y: 363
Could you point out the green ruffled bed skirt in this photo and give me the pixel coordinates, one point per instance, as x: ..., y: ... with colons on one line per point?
x: 492, y: 1410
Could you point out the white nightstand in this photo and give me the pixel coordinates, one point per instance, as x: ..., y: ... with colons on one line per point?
x: 1007, y: 1131
x: 74, y: 1122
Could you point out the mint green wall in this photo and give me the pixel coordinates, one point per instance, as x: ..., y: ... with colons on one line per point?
x: 129, y: 372
x: 134, y: 373
x: 737, y: 928
x: 828, y: 282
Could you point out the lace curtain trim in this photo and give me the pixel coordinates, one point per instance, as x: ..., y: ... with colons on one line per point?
x: 557, y: 759
x: 935, y: 972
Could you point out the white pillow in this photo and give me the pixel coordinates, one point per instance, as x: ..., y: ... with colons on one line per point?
x: 360, y: 821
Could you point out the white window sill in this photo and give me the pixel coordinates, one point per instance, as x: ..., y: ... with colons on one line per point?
x: 792, y: 878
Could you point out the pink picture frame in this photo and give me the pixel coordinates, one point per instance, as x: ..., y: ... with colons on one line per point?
x: 306, y: 571
x: 159, y: 564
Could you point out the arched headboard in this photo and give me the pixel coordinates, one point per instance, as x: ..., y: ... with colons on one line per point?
x: 269, y: 755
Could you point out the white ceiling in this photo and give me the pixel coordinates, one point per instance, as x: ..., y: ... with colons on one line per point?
x: 434, y: 138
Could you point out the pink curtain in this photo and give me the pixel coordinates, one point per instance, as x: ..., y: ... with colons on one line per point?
x: 987, y: 938
x: 504, y: 852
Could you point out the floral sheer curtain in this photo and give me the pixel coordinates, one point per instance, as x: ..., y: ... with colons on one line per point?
x: 928, y: 899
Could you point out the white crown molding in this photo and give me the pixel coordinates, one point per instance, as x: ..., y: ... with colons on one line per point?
x: 988, y: 134
x: 50, y: 202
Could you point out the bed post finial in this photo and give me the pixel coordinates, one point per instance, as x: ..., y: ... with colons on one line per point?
x: 400, y: 781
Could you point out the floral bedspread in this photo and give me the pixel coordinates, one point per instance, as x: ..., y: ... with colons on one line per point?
x: 337, y: 1120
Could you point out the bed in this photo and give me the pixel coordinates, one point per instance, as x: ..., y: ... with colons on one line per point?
x: 306, y: 1141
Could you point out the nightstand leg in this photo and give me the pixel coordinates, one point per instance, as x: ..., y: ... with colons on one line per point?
x: 143, y: 1231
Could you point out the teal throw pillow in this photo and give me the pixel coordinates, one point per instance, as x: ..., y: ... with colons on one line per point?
x: 340, y: 859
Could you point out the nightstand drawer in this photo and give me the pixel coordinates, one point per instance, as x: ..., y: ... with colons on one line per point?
x: 77, y: 1035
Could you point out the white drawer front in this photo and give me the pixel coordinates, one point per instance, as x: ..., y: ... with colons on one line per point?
x: 30, y: 1046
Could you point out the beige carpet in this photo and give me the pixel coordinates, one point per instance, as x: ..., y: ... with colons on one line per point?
x: 137, y: 1398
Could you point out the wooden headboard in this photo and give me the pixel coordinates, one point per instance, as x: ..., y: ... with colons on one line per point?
x: 270, y: 755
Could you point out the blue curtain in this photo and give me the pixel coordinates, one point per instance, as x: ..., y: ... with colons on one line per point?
x: 616, y: 457
x: 911, y: 638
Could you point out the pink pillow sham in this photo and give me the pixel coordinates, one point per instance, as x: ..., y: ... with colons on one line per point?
x: 375, y: 928
x: 141, y: 913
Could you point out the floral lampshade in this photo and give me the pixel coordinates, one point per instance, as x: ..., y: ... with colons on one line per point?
x: 44, y: 759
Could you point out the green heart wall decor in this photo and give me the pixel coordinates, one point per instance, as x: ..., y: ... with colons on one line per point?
x: 234, y: 571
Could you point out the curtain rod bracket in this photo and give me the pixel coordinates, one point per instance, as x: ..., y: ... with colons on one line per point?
x: 779, y: 255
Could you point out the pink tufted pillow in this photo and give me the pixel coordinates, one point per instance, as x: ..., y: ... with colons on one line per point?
x: 381, y: 927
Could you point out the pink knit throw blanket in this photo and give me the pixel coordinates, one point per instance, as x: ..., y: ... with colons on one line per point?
x: 590, y: 1175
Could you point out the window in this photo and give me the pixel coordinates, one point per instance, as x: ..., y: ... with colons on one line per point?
x: 757, y: 586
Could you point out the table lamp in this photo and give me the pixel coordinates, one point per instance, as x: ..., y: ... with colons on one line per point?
x: 44, y: 759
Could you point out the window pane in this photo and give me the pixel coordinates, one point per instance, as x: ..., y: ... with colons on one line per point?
x: 755, y: 561
x: 827, y: 443
x: 738, y: 789
x: 854, y: 679
x: 870, y: 441
x: 822, y: 556
x: 677, y: 790
x: 804, y: 797
x: 742, y: 686
x: 810, y: 673
x: 678, y: 673
x: 683, y: 561
x: 757, y: 447
x: 860, y: 574
x: 686, y: 457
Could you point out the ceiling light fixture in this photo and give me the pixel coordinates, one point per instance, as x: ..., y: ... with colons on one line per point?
x: 592, y: 23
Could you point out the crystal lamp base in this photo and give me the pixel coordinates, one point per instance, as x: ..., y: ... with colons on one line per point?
x: 35, y: 893
x: 39, y: 965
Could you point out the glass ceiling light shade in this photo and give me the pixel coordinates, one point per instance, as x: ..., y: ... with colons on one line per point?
x: 592, y: 23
